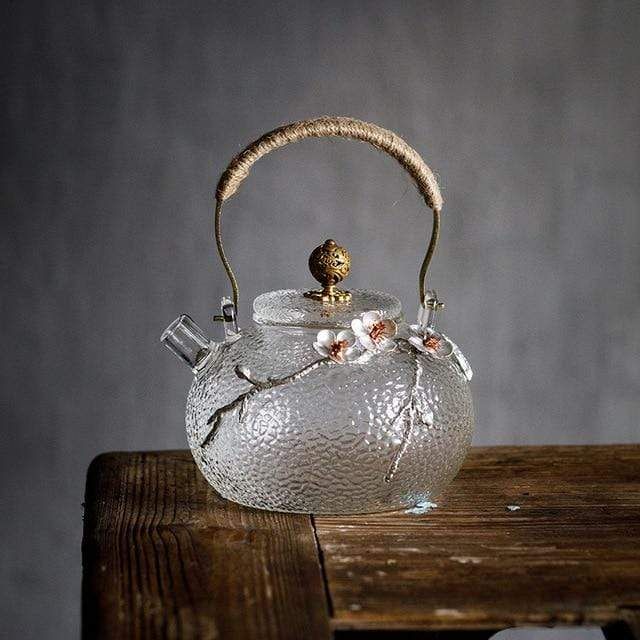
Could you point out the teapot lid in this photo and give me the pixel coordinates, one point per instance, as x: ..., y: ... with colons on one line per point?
x: 291, y: 307
x: 329, y: 264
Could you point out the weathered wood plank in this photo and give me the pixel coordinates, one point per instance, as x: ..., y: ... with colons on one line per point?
x: 165, y: 557
x: 569, y: 555
x: 412, y: 634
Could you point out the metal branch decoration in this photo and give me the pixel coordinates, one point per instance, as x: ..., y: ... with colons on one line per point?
x: 258, y: 385
x: 414, y: 407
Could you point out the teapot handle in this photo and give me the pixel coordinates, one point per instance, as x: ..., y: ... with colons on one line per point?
x: 326, y: 126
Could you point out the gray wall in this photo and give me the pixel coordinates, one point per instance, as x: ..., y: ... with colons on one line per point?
x: 119, y: 118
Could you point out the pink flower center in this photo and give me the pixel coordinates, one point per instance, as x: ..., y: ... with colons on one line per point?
x: 377, y: 331
x: 337, y: 348
x: 431, y: 342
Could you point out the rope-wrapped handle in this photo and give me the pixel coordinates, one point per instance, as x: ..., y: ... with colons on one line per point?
x: 326, y: 126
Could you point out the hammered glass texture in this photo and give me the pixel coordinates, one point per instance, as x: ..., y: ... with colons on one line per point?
x: 290, y: 307
x: 323, y: 443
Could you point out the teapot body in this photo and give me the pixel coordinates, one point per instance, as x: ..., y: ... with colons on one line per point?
x: 379, y: 435
x: 330, y: 403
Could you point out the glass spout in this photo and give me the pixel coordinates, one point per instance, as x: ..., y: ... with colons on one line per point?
x: 186, y: 340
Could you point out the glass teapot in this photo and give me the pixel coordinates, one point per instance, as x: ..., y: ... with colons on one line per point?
x: 330, y: 403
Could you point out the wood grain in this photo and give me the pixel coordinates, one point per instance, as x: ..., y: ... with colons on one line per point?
x: 165, y: 557
x: 570, y: 555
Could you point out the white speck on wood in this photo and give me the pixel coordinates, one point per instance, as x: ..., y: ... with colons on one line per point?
x: 465, y: 559
x: 513, y: 507
x: 448, y: 613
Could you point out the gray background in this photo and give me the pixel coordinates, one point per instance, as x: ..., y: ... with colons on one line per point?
x: 118, y: 119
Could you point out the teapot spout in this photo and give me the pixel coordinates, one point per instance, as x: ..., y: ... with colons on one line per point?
x: 186, y: 340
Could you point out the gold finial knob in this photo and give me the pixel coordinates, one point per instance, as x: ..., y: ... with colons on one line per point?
x: 329, y: 264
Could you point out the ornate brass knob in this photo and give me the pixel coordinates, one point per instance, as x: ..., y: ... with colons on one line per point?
x: 329, y: 264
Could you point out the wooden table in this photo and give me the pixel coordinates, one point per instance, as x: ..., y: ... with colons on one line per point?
x: 539, y: 536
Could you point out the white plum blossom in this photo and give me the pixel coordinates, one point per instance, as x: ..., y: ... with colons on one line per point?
x: 430, y: 342
x: 374, y: 332
x: 340, y: 348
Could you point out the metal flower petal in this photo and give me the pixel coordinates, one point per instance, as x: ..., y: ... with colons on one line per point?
x: 325, y: 337
x: 374, y: 331
x: 386, y: 346
x: 430, y: 342
x: 339, y: 348
x: 358, y: 327
x: 369, y: 318
x: 346, y: 336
